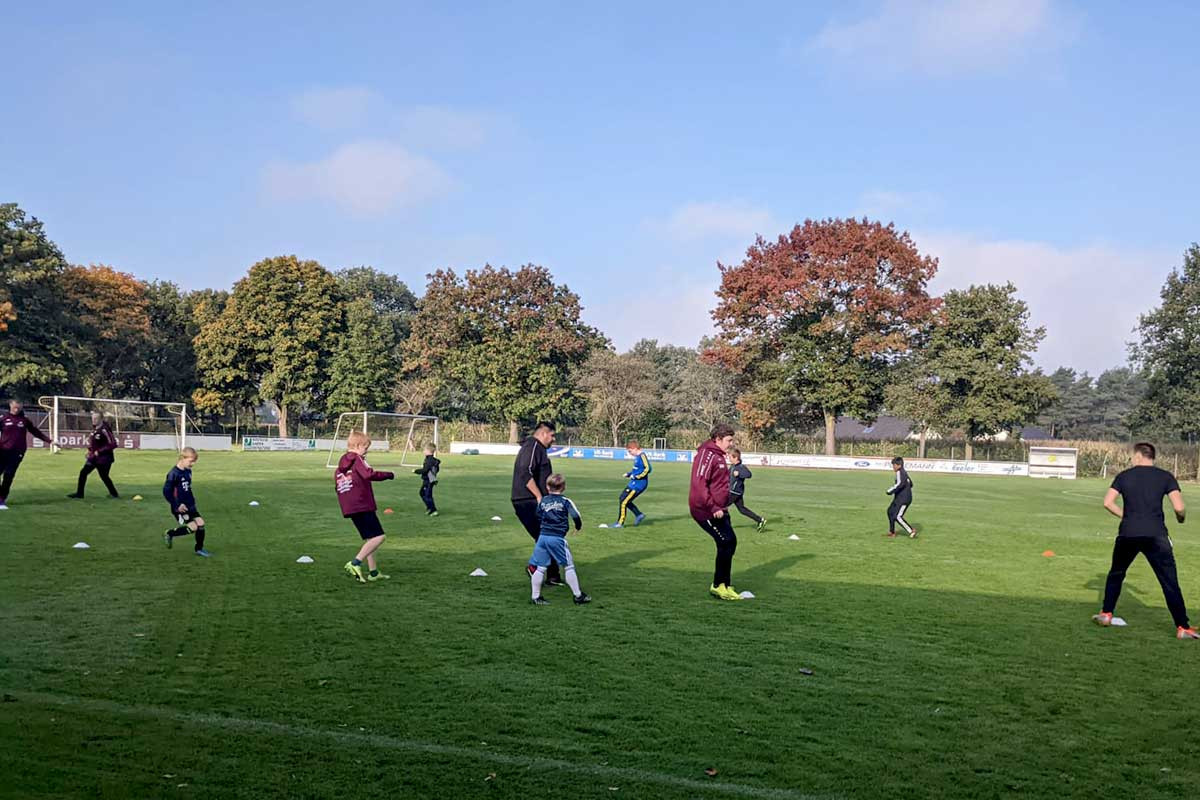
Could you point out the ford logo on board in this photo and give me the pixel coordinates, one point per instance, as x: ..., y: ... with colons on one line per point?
x: 862, y: 463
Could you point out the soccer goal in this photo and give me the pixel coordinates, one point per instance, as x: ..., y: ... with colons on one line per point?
x: 396, y: 439
x: 134, y: 422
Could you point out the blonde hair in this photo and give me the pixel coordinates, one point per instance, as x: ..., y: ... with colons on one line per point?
x: 188, y: 451
x: 357, y: 439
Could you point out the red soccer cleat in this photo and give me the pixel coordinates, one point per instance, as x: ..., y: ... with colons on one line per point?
x: 1103, y: 619
x: 1186, y: 633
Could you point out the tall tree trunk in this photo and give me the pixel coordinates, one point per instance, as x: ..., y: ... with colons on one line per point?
x: 616, y: 434
x: 514, y: 432
x: 283, y: 420
x: 921, y: 441
x: 969, y: 450
x: 830, y: 440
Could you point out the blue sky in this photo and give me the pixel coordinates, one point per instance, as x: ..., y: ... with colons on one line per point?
x: 627, y: 148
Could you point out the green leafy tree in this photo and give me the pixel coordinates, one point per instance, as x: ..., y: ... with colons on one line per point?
x: 1168, y: 349
x: 1070, y: 416
x: 390, y: 297
x: 1116, y: 395
x: 113, y: 314
x: 814, y: 319
x: 619, y: 389
x: 169, y: 357
x: 511, y: 338
x: 979, y: 354
x: 704, y: 394
x: 669, y: 363
x: 916, y: 393
x: 36, y: 343
x: 363, y: 367
x: 273, y: 341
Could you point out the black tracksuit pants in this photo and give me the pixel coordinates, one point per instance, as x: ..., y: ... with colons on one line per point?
x: 527, y: 513
x: 1160, y: 554
x: 739, y: 503
x: 427, y: 496
x: 721, y: 531
x: 10, y: 461
x: 103, y: 469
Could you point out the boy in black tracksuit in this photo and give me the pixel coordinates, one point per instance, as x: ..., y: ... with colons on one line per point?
x: 739, y: 473
x: 901, y: 493
x: 429, y: 478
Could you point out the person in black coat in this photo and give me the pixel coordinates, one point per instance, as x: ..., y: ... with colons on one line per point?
x: 101, y: 445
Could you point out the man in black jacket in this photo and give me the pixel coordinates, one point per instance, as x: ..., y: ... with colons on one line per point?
x: 530, y: 472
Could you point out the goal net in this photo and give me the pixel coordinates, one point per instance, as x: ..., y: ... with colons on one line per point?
x: 396, y: 439
x: 135, y: 423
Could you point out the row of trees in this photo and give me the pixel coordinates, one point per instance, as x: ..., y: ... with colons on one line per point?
x: 832, y: 319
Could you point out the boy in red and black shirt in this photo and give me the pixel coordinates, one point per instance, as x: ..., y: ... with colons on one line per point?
x: 353, y: 478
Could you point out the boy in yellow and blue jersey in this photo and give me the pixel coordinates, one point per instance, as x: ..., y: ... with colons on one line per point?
x: 639, y: 479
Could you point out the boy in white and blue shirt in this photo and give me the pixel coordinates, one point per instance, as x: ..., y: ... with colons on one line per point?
x: 555, y: 513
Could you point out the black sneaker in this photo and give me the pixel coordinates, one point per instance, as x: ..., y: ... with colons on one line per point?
x: 75, y: 496
x: 539, y: 601
x: 555, y: 582
x: 584, y: 597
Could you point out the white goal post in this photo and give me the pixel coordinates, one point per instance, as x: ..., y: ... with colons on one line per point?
x: 1053, y: 462
x: 404, y: 433
x: 70, y: 415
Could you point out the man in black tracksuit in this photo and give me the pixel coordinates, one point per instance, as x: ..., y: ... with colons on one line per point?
x: 1143, y: 530
x: 901, y: 492
x: 530, y: 472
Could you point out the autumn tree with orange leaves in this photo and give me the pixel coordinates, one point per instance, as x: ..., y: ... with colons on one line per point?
x: 813, y: 321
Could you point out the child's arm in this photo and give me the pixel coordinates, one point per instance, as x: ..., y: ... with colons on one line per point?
x: 576, y: 517
x: 366, y: 473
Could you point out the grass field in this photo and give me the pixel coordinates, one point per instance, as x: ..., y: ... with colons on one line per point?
x: 962, y: 664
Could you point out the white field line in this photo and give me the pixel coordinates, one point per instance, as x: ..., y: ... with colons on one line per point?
x: 610, y: 774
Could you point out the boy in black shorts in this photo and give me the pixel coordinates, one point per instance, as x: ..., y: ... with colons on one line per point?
x: 353, y: 478
x: 178, y: 493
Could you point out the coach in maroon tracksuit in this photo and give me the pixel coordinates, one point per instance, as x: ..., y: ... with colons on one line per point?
x: 708, y: 498
x: 101, y: 445
x: 13, y: 427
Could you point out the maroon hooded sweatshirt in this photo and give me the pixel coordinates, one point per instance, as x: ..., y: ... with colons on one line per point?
x: 709, y: 492
x: 13, y: 428
x: 353, y: 478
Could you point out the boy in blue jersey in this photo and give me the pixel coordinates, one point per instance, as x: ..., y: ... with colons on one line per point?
x: 178, y: 493
x: 639, y: 479
x: 555, y: 513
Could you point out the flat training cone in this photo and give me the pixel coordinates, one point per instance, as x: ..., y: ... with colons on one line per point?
x: 495, y: 519
x: 304, y: 560
x: 136, y: 498
x: 478, y: 573
x: 388, y: 511
x: 747, y: 595
x: 82, y: 546
x: 794, y: 538
x: 253, y: 502
x: 1048, y: 553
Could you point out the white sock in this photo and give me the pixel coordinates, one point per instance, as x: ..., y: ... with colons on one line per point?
x: 572, y: 580
x: 535, y: 580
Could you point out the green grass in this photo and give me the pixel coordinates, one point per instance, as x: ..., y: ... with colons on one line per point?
x: 961, y: 664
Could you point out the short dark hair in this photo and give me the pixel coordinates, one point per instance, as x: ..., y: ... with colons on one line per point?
x: 556, y: 483
x: 543, y: 424
x: 1146, y: 450
x: 721, y: 429
x: 898, y: 460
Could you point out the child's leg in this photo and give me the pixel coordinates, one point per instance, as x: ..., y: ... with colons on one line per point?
x: 536, y: 579
x: 891, y: 514
x: 740, y: 504
x: 900, y: 518
x: 572, y: 580
x: 367, y: 551
x: 631, y: 508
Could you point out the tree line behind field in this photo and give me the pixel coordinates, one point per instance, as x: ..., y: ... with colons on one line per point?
x: 832, y: 319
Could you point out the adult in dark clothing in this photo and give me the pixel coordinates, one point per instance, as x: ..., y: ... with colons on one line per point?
x: 1143, y: 530
x: 101, y: 446
x: 530, y: 473
x: 902, y: 497
x: 13, y: 429
x: 708, y: 497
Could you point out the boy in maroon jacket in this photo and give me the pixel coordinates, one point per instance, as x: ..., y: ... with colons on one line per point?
x: 353, y: 478
x: 13, y: 427
x: 101, y: 445
x: 708, y: 497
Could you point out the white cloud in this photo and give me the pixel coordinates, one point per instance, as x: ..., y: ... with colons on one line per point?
x: 1088, y: 298
x: 696, y: 221
x: 369, y: 177
x: 438, y: 126
x: 946, y: 37
x: 682, y: 320
x: 336, y: 108
x: 886, y: 204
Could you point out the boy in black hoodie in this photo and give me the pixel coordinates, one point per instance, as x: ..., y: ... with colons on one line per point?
x: 429, y: 478
x: 739, y: 473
